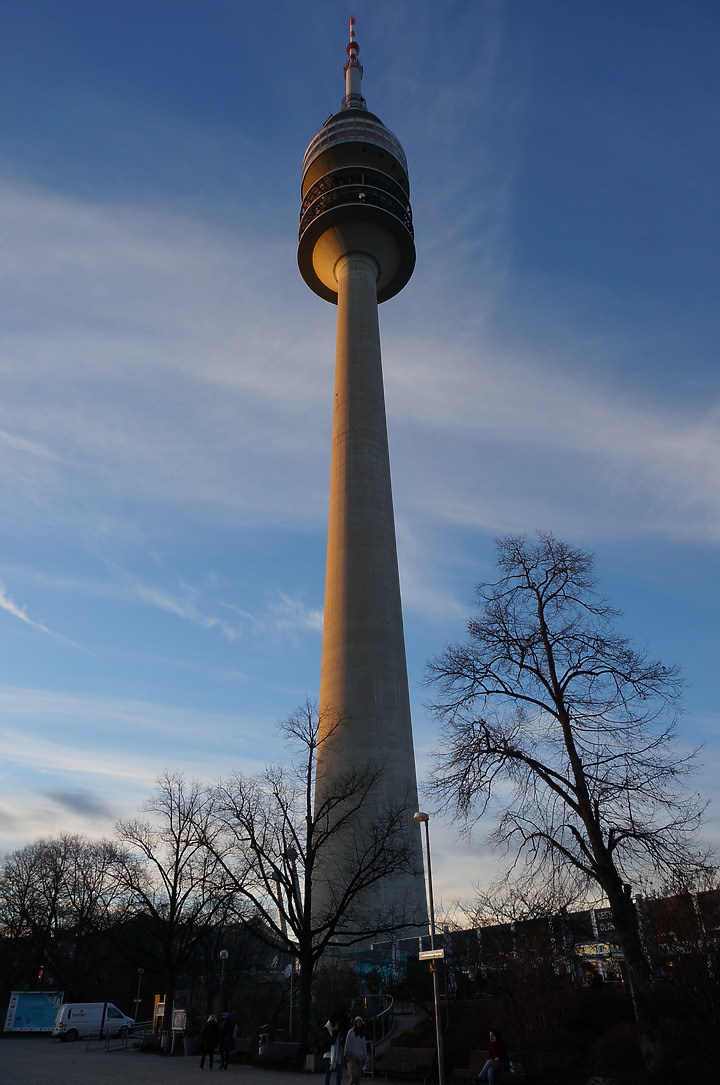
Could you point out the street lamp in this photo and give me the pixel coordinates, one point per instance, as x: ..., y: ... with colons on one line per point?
x: 138, y: 1000
x: 223, y: 958
x: 423, y: 819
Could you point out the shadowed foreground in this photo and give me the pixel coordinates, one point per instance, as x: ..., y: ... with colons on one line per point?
x: 45, y: 1061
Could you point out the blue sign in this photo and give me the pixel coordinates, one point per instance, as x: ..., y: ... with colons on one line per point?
x: 33, y: 1011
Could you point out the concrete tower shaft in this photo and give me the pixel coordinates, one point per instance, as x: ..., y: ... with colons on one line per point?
x: 356, y: 248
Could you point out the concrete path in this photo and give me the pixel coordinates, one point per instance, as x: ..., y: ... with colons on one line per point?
x: 25, y: 1061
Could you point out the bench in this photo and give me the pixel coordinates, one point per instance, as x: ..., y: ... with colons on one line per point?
x: 416, y: 1062
x: 281, y: 1054
x: 528, y: 1068
x: 477, y: 1061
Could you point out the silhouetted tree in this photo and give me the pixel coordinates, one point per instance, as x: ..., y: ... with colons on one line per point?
x: 57, y: 899
x: 273, y: 836
x: 172, y: 873
x: 548, y: 710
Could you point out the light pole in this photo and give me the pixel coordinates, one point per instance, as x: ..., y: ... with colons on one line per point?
x: 138, y: 1000
x: 223, y: 958
x: 424, y: 820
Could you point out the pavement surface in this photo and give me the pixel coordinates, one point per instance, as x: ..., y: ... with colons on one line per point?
x: 44, y: 1061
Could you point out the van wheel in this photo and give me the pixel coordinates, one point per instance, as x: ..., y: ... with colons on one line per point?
x: 123, y: 1032
x: 71, y: 1035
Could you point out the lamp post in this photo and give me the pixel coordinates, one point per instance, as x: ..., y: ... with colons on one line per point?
x: 424, y: 819
x: 223, y: 958
x: 138, y: 999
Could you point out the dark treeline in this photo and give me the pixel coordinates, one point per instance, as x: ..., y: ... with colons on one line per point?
x: 73, y: 918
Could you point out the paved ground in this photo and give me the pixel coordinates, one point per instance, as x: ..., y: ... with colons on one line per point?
x: 25, y: 1061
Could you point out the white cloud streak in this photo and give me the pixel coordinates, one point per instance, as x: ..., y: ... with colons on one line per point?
x: 7, y: 604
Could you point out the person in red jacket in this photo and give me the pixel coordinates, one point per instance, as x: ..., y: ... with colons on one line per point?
x: 496, y: 1060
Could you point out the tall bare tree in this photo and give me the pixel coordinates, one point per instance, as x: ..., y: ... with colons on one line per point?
x: 549, y: 711
x: 172, y: 872
x: 274, y: 837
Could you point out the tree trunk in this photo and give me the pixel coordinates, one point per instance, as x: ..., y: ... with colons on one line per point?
x: 170, y: 983
x: 306, y: 975
x: 650, y: 1037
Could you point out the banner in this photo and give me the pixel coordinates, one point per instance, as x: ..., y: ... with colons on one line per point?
x: 33, y: 1011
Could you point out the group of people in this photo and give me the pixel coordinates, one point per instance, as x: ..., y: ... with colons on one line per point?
x: 347, y: 1046
x: 214, y: 1034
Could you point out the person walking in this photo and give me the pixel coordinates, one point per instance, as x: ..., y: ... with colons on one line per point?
x: 356, y: 1051
x: 209, y: 1036
x: 227, y: 1039
x: 336, y: 1027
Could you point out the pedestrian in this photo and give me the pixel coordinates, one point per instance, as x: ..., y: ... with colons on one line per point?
x: 227, y: 1039
x: 209, y: 1036
x: 497, y: 1058
x: 355, y: 1051
x: 336, y: 1027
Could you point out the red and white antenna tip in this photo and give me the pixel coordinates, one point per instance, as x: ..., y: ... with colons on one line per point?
x: 353, y: 49
x: 353, y: 73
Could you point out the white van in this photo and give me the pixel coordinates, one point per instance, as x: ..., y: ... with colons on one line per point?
x: 76, y: 1020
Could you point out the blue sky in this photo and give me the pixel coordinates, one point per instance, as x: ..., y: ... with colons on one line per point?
x: 167, y: 376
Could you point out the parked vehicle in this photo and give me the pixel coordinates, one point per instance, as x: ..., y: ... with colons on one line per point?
x: 76, y: 1020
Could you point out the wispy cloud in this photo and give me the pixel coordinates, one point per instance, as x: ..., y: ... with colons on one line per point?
x: 142, y: 360
x: 182, y: 396
x: 291, y: 614
x: 525, y: 437
x: 78, y: 751
x: 79, y: 801
x: 184, y: 607
x: 7, y: 604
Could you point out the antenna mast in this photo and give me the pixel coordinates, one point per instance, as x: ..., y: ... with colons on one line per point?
x: 353, y: 73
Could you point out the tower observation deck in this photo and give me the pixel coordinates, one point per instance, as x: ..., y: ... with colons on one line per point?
x: 355, y: 196
x: 356, y: 249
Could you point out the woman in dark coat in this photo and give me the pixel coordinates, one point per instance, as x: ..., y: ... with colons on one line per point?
x: 497, y: 1058
x: 209, y: 1036
x: 227, y: 1039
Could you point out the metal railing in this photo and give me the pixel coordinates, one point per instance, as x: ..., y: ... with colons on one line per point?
x: 118, y: 1040
x: 354, y: 175
x: 354, y: 194
x: 381, y: 1025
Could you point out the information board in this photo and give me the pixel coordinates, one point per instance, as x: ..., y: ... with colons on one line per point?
x: 33, y: 1011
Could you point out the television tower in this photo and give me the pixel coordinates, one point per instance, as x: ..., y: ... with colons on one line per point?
x: 356, y: 249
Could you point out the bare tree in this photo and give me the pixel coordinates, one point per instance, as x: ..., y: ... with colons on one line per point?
x: 57, y: 898
x: 275, y: 837
x: 553, y: 714
x: 171, y: 870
